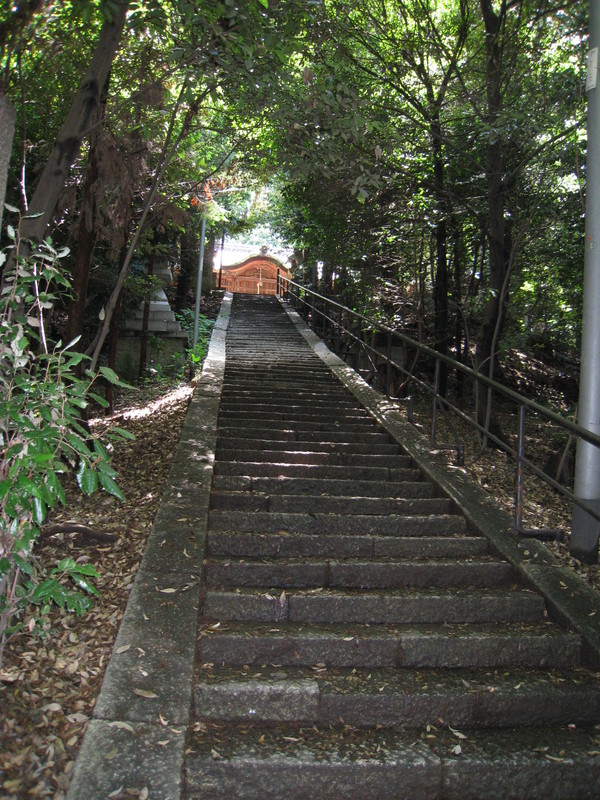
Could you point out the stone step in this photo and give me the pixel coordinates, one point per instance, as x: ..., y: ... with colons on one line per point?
x: 239, y: 373
x: 285, y: 433
x: 371, y: 574
x: 312, y: 373
x: 291, y: 363
x: 309, y: 456
x: 343, y: 545
x: 330, y: 415
x: 273, y: 402
x: 287, y: 388
x: 316, y: 471
x: 282, y: 393
x: 538, y: 764
x: 295, y: 389
x: 271, y: 444
x: 325, y: 410
x: 323, y: 504
x: 389, y: 697
x: 409, y: 484
x: 356, y: 425
x: 267, y: 522
x: 374, y: 608
x: 419, y: 647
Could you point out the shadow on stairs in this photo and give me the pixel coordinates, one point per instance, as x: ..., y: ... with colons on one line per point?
x: 324, y: 612
x: 362, y: 634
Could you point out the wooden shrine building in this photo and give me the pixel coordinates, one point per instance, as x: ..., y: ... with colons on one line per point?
x: 255, y: 275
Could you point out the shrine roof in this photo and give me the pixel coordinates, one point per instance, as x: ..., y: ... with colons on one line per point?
x: 256, y: 259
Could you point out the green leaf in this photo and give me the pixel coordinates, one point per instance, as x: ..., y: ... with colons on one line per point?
x: 78, y: 603
x: 55, y: 486
x: 43, y: 590
x: 43, y: 458
x: 72, y: 342
x: 110, y: 375
x: 97, y: 399
x: 84, y: 584
x: 88, y: 481
x: 23, y: 565
x: 39, y: 510
x: 105, y: 468
x: 65, y: 565
x: 84, y: 433
x: 123, y: 434
x: 100, y: 450
x: 74, y: 359
x: 110, y: 486
x: 5, y: 487
x: 58, y: 593
x: 29, y: 486
x: 78, y: 444
x: 85, y: 569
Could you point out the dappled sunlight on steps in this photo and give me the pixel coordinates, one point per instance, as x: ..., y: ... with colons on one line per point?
x: 358, y: 639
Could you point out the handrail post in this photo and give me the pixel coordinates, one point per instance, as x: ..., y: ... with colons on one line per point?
x: 277, y: 292
x: 338, y: 346
x: 520, y: 470
x: 388, y: 369
x: 436, y: 391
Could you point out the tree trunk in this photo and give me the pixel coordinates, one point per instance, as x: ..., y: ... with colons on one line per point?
x: 7, y: 130
x: 494, y: 311
x: 86, y: 233
x: 459, y: 327
x: 440, y: 283
x: 75, y: 128
x: 493, y: 314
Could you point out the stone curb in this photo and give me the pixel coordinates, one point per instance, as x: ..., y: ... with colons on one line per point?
x: 569, y: 599
x: 137, y: 737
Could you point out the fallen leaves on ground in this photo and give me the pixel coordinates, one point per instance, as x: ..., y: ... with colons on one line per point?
x: 543, y: 507
x: 48, y: 687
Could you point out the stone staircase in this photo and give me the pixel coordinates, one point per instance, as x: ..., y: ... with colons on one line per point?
x: 357, y: 640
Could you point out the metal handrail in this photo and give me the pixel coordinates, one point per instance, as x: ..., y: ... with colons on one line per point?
x: 310, y: 298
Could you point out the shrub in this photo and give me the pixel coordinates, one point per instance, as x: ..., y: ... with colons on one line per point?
x: 205, y: 325
x: 42, y: 437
